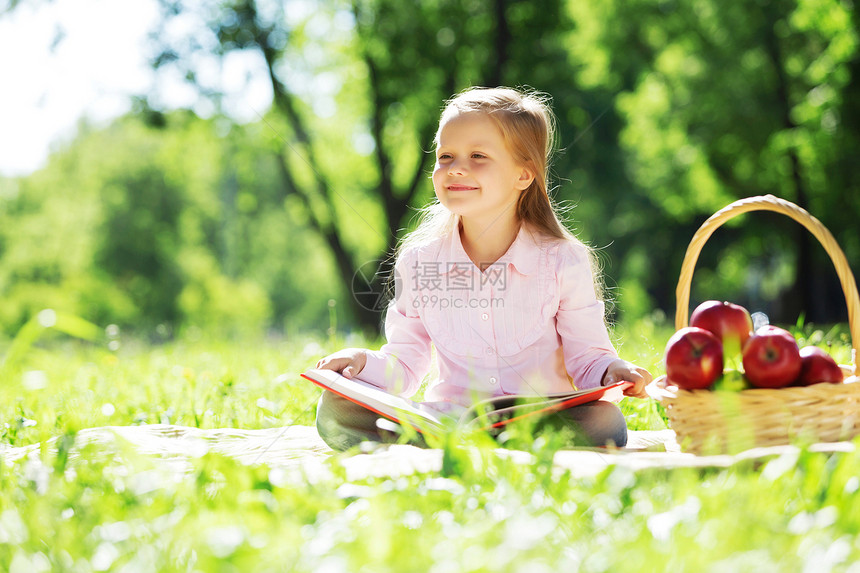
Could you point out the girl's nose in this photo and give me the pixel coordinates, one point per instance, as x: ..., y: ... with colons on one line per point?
x: 456, y: 167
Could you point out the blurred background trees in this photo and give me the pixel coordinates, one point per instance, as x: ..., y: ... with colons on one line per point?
x: 667, y: 112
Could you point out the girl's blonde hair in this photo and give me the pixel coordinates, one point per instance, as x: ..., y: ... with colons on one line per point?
x: 528, y: 126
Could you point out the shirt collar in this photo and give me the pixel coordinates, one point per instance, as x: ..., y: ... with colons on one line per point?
x: 521, y: 254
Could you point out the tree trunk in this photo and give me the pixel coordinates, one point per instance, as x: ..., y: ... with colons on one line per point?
x: 800, y: 297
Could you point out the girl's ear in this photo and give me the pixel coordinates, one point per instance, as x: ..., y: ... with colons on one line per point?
x: 526, y: 178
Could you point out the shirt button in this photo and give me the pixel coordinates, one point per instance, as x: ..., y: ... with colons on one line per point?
x: 489, y: 351
x: 492, y: 379
x: 485, y: 316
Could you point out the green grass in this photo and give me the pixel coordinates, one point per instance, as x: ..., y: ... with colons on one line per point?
x: 481, y: 512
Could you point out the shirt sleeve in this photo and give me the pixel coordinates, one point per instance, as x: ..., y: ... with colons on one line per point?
x: 580, y: 319
x: 403, y: 361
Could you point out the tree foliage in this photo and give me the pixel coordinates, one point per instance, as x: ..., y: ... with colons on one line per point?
x: 148, y: 234
x: 667, y: 111
x: 386, y: 79
x: 728, y: 101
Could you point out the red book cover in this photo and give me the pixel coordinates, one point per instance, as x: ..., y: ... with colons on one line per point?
x: 486, y: 414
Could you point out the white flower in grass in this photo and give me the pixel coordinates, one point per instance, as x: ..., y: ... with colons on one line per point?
x: 267, y: 405
x: 32, y: 563
x: 47, y: 318
x: 35, y: 380
x: 13, y: 530
x: 662, y: 524
x: 224, y: 540
x: 106, y: 553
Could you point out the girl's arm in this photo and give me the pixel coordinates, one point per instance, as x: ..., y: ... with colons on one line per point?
x: 588, y: 352
x: 403, y: 361
x: 401, y: 364
x: 589, y: 355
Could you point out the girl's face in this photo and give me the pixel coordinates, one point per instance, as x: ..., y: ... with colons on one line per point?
x: 475, y: 174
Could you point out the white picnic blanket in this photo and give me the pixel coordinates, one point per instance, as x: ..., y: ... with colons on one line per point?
x: 297, y: 452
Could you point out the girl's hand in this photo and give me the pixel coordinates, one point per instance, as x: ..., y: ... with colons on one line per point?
x: 349, y: 361
x: 621, y: 370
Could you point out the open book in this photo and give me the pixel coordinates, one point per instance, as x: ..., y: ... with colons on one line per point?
x: 489, y: 414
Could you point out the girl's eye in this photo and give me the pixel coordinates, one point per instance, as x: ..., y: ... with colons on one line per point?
x: 478, y: 156
x: 444, y: 156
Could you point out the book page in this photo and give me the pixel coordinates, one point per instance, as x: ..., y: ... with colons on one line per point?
x: 397, y: 408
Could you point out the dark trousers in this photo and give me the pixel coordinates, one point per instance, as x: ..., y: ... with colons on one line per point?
x: 343, y: 424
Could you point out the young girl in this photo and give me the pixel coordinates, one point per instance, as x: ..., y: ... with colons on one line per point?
x: 493, y: 280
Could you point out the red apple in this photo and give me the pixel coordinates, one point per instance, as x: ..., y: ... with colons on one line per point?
x: 694, y: 358
x: 731, y: 323
x: 817, y: 366
x: 771, y: 358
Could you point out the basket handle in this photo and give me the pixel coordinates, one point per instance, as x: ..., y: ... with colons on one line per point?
x: 813, y: 225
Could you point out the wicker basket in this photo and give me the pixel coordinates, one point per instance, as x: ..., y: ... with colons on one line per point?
x: 716, y: 422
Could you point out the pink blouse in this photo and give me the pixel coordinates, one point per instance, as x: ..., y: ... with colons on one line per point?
x: 529, y: 324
